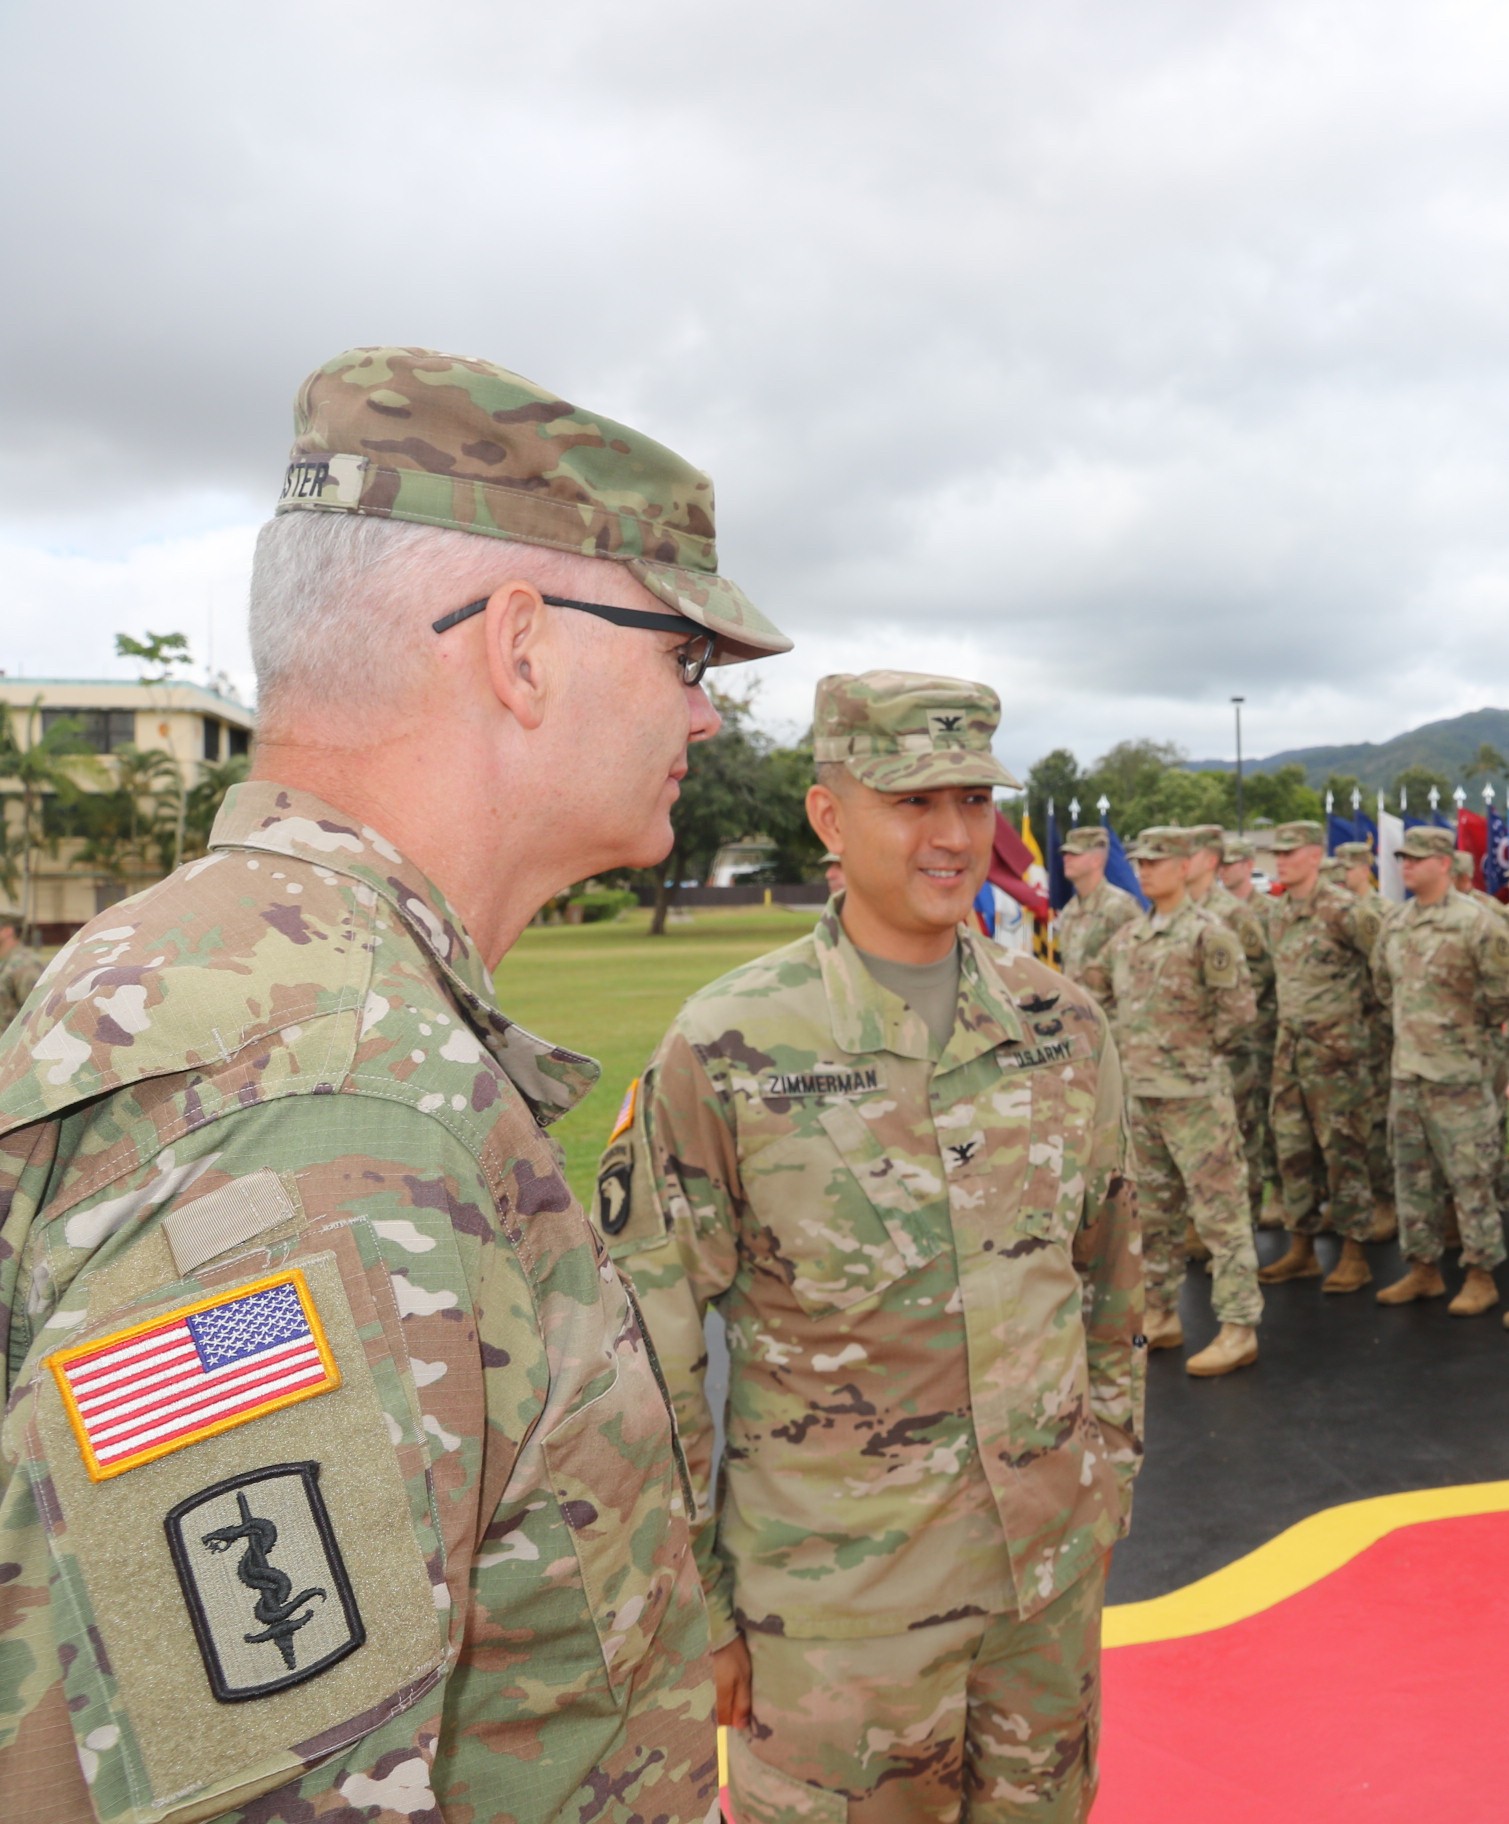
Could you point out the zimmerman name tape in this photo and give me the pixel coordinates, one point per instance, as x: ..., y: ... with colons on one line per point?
x: 194, y: 1372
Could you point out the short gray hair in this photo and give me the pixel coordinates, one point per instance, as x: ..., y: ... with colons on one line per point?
x: 341, y: 603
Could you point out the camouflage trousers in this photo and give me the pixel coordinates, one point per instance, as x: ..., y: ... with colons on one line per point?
x: 992, y: 1719
x: 1500, y: 1086
x: 1447, y: 1136
x: 1380, y: 1152
x: 1251, y: 1077
x: 1190, y: 1168
x: 1322, y: 1116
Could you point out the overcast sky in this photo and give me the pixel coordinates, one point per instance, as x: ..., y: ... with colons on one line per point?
x: 1127, y: 356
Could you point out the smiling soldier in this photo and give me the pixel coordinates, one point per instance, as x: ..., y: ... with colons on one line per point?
x: 337, y: 1480
x: 894, y: 1157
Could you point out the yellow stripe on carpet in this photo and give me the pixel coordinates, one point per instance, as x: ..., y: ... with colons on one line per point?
x: 1319, y: 1544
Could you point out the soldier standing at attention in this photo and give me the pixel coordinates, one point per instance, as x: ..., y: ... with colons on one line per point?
x: 1237, y: 859
x: 1176, y: 986
x: 1323, y: 939
x: 894, y: 1157
x: 1443, y: 971
x: 1098, y: 910
x: 1248, y: 1085
x: 1356, y: 859
x: 20, y: 966
x: 337, y: 1479
x: 1462, y: 869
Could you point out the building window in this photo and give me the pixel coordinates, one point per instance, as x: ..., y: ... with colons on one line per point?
x: 211, y: 738
x: 103, y: 730
x: 240, y: 740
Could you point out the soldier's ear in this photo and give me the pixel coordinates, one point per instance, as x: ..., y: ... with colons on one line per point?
x: 825, y: 815
x: 517, y: 641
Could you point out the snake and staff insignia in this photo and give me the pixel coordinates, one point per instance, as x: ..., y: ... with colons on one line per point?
x: 264, y: 1581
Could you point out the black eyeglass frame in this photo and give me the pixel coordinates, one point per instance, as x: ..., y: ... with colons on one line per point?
x: 693, y: 663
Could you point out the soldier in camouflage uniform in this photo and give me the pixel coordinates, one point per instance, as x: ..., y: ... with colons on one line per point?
x: 337, y: 1483
x: 1323, y: 939
x: 1251, y: 1064
x: 1463, y: 869
x: 1356, y: 859
x: 1442, y: 967
x: 1098, y: 910
x: 20, y: 966
x: 1237, y: 859
x: 894, y: 1156
x: 1181, y: 1001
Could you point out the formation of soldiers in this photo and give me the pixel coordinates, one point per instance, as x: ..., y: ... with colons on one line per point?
x: 1347, y: 1050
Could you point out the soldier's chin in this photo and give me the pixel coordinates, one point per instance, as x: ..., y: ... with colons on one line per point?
x: 648, y: 849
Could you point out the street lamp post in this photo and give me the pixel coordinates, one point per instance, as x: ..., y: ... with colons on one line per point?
x: 1236, y: 703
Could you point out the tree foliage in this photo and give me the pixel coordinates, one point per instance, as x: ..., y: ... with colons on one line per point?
x: 159, y: 654
x: 1148, y: 782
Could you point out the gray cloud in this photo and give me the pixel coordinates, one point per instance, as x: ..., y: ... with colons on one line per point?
x: 1132, y: 355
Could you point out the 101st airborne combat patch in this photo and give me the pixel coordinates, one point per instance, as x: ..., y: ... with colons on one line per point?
x: 193, y: 1373
x: 264, y: 1581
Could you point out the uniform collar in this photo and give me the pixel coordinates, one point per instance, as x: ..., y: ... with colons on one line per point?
x: 284, y: 821
x: 866, y: 1017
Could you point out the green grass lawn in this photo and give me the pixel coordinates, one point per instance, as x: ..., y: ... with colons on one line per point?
x: 611, y: 990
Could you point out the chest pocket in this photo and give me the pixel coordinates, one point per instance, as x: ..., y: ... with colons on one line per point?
x: 841, y: 1215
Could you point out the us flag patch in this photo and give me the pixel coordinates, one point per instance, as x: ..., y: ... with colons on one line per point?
x: 193, y: 1373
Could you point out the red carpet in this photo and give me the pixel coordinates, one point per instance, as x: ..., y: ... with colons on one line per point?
x: 1374, y: 1695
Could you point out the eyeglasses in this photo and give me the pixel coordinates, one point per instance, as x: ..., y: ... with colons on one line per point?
x: 692, y: 659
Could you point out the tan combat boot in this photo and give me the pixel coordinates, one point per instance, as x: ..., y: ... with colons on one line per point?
x: 1163, y: 1330
x: 1194, y: 1248
x: 1423, y: 1280
x: 1478, y: 1294
x: 1235, y: 1346
x: 1385, y: 1222
x: 1351, y: 1272
x: 1298, y: 1263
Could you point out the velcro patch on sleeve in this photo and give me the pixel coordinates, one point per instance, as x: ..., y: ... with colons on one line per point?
x: 231, y: 1611
x: 205, y: 1368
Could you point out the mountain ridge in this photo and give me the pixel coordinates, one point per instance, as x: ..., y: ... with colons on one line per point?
x: 1446, y: 746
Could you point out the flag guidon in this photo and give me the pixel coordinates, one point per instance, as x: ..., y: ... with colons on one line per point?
x: 192, y: 1373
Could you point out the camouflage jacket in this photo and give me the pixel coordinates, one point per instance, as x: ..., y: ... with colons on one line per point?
x: 1180, y: 1000
x: 930, y: 1277
x: 18, y: 976
x: 266, y: 1130
x: 1251, y: 931
x: 1088, y: 923
x: 1443, y: 972
x: 1322, y: 949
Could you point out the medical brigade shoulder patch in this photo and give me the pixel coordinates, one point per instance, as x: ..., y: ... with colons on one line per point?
x: 266, y: 1587
x: 193, y: 1373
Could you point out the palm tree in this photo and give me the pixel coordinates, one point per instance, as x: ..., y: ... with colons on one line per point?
x: 152, y: 781
x: 216, y: 777
x: 43, y: 768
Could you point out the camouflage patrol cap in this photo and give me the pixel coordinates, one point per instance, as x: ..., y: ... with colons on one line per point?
x: 1206, y: 836
x: 1354, y: 853
x: 1423, y: 841
x: 1163, y: 842
x: 1462, y: 864
x: 903, y: 731
x: 1298, y: 835
x: 405, y: 433
x: 1086, y: 840
x: 1237, y: 848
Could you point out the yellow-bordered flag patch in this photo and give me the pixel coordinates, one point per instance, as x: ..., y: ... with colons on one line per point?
x: 193, y: 1373
x: 626, y: 1112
